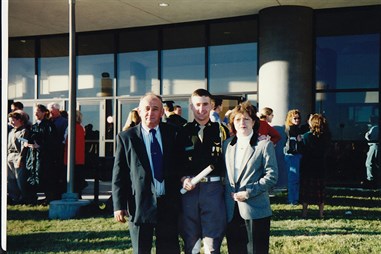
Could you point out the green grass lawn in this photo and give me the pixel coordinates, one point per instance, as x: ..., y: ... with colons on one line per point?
x: 352, y: 224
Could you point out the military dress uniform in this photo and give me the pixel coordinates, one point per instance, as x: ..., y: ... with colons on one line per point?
x: 203, y: 208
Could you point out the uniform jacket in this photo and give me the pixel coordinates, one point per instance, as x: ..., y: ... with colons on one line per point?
x: 258, y: 173
x: 132, y: 181
x: 194, y: 155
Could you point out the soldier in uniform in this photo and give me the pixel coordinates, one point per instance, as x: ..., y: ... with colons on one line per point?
x: 203, y: 208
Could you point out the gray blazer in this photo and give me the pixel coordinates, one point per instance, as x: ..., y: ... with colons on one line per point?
x: 258, y: 173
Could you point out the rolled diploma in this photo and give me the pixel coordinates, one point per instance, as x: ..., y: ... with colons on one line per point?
x: 197, y: 178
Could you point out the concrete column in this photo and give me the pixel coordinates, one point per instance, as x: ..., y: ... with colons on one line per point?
x: 286, y: 60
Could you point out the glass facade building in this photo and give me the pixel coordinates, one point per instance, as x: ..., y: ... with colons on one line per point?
x: 116, y: 67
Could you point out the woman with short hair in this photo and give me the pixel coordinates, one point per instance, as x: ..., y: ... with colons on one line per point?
x: 251, y: 171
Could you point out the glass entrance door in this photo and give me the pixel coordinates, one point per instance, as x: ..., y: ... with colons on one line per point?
x: 98, y: 121
x: 124, y: 108
x: 91, y: 113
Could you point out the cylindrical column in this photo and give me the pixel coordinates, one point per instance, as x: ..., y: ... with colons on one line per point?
x: 286, y: 62
x: 286, y: 44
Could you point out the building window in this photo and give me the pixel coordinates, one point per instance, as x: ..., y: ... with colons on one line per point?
x: 348, y: 113
x: 183, y: 70
x: 347, y: 83
x: 138, y: 73
x: 53, y: 77
x: 95, y: 75
x: 54, y: 68
x: 348, y: 61
x: 95, y: 63
x: 183, y: 59
x: 21, y: 69
x: 233, y: 68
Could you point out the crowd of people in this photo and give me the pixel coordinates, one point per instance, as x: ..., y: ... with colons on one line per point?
x: 37, y: 154
x: 232, y: 198
x: 225, y: 169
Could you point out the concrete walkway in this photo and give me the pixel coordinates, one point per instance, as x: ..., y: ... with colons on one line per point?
x: 88, y: 192
x: 104, y: 190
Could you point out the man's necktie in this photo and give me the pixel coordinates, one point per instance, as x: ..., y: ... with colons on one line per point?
x: 201, y: 132
x: 157, y: 157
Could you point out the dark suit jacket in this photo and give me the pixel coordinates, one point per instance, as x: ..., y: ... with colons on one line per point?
x: 132, y: 181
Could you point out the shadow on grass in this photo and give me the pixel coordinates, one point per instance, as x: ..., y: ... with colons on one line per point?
x: 354, y: 201
x: 27, y: 214
x: 317, y: 231
x: 336, y: 207
x: 339, y: 214
x: 66, y: 241
x: 39, y: 213
x: 336, y: 200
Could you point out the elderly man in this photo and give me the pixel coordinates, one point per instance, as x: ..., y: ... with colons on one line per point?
x: 61, y: 124
x: 59, y: 121
x: 143, y: 184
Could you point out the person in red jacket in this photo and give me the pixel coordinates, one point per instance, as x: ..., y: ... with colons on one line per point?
x: 79, y: 180
x: 265, y: 129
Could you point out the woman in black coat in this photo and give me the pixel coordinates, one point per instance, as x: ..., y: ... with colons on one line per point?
x: 42, y: 155
x: 314, y: 148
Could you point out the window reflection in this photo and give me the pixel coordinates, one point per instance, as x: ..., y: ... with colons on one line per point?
x: 109, y: 123
x: 95, y: 75
x: 54, y: 77
x: 348, y: 113
x: 125, y: 109
x: 137, y: 73
x: 233, y: 68
x: 21, y: 69
x: 183, y: 70
x: 109, y: 128
x: 348, y: 61
x: 21, y: 78
x: 253, y: 98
